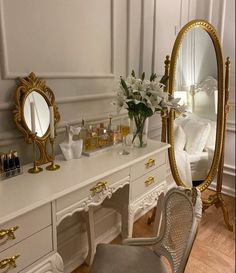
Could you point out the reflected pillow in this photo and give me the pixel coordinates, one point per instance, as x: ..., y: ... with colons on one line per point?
x: 211, y: 140
x: 197, y: 133
x: 179, y: 138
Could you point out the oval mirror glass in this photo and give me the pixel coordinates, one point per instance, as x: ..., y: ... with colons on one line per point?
x: 42, y: 114
x: 196, y: 85
x: 196, y: 76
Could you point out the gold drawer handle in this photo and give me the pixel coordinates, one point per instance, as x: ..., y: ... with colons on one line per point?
x: 150, y: 163
x: 149, y: 181
x: 10, y: 262
x: 99, y: 187
x: 9, y: 233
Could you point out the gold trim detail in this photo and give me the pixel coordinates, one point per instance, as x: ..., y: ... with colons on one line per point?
x: 100, y: 187
x: 221, y: 102
x: 149, y: 181
x: 150, y: 163
x: 10, y: 262
x: 26, y: 86
x: 9, y: 233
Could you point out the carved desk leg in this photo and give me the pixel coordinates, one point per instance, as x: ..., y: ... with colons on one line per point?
x: 91, y: 236
x: 120, y: 202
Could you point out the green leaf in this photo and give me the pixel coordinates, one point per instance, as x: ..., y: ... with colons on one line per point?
x: 153, y: 77
x: 123, y: 83
x: 143, y: 76
x: 133, y: 73
x: 164, y: 79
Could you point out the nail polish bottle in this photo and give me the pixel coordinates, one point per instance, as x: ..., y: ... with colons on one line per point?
x: 11, y: 163
x: 16, y: 162
x: 6, y: 166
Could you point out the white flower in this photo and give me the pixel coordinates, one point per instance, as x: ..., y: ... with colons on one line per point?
x: 145, y: 97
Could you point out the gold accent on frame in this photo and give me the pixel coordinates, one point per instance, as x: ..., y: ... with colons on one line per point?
x: 222, y: 110
x: 52, y: 166
x: 9, y: 233
x: 10, y: 262
x: 27, y: 86
x: 100, y: 186
x: 150, y: 163
x: 221, y: 101
x: 149, y: 181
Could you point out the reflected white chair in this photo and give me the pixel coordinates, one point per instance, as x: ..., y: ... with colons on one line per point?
x: 178, y: 215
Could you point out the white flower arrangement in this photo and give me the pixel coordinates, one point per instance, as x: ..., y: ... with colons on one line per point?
x: 146, y: 97
x: 143, y: 98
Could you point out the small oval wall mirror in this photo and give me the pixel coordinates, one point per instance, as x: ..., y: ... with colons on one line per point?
x: 196, y: 76
x: 33, y: 91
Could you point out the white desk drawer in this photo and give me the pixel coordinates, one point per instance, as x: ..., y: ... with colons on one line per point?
x: 146, y: 182
x: 30, y: 250
x: 27, y: 224
x: 148, y: 164
x: 86, y: 192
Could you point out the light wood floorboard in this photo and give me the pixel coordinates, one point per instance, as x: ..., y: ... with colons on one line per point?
x: 214, y: 248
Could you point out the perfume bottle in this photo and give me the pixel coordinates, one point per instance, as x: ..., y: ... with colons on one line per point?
x: 83, y: 134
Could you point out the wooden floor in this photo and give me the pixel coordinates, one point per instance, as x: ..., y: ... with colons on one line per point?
x: 214, y: 247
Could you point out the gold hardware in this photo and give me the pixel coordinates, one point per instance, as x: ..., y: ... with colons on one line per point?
x: 11, y: 262
x: 100, y: 186
x: 36, y: 168
x: 150, y: 163
x: 8, y: 232
x: 52, y: 166
x: 149, y: 181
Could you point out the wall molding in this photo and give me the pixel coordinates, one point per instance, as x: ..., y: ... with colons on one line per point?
x: 128, y: 38
x: 6, y: 74
x: 225, y: 189
x: 82, y: 98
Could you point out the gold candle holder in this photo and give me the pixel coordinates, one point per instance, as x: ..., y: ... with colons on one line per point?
x: 52, y: 166
x: 35, y: 169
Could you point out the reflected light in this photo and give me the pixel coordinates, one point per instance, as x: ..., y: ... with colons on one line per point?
x: 216, y: 100
x: 182, y: 95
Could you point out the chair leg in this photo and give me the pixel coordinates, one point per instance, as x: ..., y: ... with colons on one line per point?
x: 152, y: 217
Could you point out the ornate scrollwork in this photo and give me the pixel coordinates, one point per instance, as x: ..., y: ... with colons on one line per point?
x: 28, y: 85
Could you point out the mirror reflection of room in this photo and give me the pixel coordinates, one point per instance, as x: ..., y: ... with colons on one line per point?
x: 36, y: 102
x: 196, y: 84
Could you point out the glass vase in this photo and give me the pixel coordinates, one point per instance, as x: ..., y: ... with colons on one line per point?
x: 140, y: 131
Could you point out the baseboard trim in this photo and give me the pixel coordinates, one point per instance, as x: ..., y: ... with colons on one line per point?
x: 225, y: 189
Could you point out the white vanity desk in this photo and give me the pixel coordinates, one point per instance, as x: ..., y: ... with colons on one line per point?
x: 36, y: 204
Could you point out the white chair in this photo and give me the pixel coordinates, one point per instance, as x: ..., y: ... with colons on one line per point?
x: 178, y: 215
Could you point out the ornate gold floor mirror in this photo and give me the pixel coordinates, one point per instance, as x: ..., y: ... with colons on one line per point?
x: 198, y: 75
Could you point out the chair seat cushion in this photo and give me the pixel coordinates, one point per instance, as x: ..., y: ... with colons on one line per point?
x: 126, y: 259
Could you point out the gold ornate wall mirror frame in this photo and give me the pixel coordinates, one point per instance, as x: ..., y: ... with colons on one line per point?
x: 34, y: 91
x: 201, y: 80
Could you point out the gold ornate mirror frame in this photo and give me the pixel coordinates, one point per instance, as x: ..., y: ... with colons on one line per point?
x: 28, y: 85
x: 223, y: 79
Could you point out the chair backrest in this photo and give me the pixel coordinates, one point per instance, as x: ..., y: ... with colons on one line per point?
x: 181, y: 213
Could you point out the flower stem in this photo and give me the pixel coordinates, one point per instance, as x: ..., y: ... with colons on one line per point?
x: 139, y: 122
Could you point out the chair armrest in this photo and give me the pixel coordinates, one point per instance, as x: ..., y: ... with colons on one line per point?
x: 140, y: 241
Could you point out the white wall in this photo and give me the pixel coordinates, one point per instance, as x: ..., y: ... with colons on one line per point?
x: 81, y: 48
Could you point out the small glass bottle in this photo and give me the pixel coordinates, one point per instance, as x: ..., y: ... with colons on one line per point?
x: 83, y: 134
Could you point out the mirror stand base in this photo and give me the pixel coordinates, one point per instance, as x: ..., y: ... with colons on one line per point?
x: 35, y: 169
x: 52, y: 167
x: 217, y: 200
